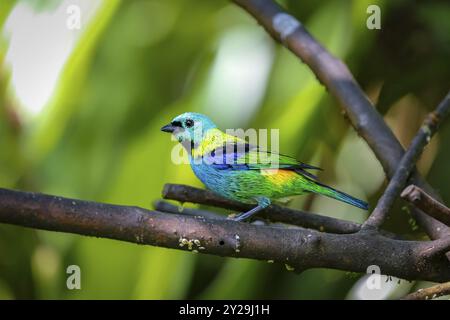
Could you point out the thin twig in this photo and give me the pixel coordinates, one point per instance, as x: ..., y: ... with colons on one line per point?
x: 434, y: 248
x: 274, y: 213
x: 408, y: 163
x: 335, y: 75
x: 426, y: 203
x: 164, y: 206
x: 429, y: 293
x: 185, y: 193
x: 299, y: 248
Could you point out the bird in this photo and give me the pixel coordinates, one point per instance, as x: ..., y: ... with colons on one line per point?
x: 234, y: 169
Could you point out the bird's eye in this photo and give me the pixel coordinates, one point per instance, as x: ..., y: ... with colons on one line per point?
x: 189, y: 123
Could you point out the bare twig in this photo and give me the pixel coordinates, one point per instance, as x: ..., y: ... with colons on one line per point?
x: 274, y: 213
x: 408, y: 163
x: 185, y: 193
x: 299, y: 248
x: 435, y: 248
x: 335, y: 75
x: 164, y: 206
x: 429, y: 293
x: 426, y: 203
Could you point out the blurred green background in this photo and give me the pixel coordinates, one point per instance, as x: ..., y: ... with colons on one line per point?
x: 80, y: 112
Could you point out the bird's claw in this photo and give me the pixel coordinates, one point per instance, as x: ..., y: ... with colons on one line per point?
x: 239, y: 217
x: 232, y: 216
x: 236, y: 217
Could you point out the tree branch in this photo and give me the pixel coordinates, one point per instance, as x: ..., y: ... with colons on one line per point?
x: 300, y: 248
x: 408, y: 163
x: 185, y: 193
x: 335, y: 75
x: 164, y: 206
x: 426, y: 203
x: 435, y: 248
x: 429, y: 293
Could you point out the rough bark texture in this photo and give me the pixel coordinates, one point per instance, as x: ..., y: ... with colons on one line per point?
x: 298, y: 248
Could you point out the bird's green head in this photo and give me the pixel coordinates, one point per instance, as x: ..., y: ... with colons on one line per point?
x: 189, y: 128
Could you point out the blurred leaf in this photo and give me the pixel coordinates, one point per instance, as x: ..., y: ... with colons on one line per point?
x: 5, y: 7
x: 164, y: 274
x: 108, y: 269
x: 238, y: 279
x: 54, y: 118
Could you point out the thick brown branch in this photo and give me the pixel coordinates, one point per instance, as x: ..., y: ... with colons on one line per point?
x: 426, y: 203
x: 429, y: 293
x: 298, y: 247
x: 408, y: 163
x: 335, y: 75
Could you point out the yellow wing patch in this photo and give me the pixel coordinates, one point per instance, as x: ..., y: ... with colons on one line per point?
x: 213, y: 139
x: 279, y: 177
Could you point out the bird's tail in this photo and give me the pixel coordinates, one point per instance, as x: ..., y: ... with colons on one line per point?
x: 339, y: 195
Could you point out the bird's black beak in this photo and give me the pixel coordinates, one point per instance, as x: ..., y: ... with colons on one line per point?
x: 168, y: 128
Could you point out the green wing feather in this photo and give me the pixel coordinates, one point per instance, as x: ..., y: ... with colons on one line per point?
x: 240, y: 156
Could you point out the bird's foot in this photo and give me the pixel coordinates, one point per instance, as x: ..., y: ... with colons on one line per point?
x: 237, y: 216
x: 240, y: 217
x: 245, y: 215
x: 262, y: 204
x: 232, y: 216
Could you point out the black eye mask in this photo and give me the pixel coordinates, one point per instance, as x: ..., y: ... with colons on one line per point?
x: 177, y: 124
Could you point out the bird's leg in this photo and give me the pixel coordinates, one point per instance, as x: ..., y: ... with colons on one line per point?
x: 262, y: 204
x: 248, y: 214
